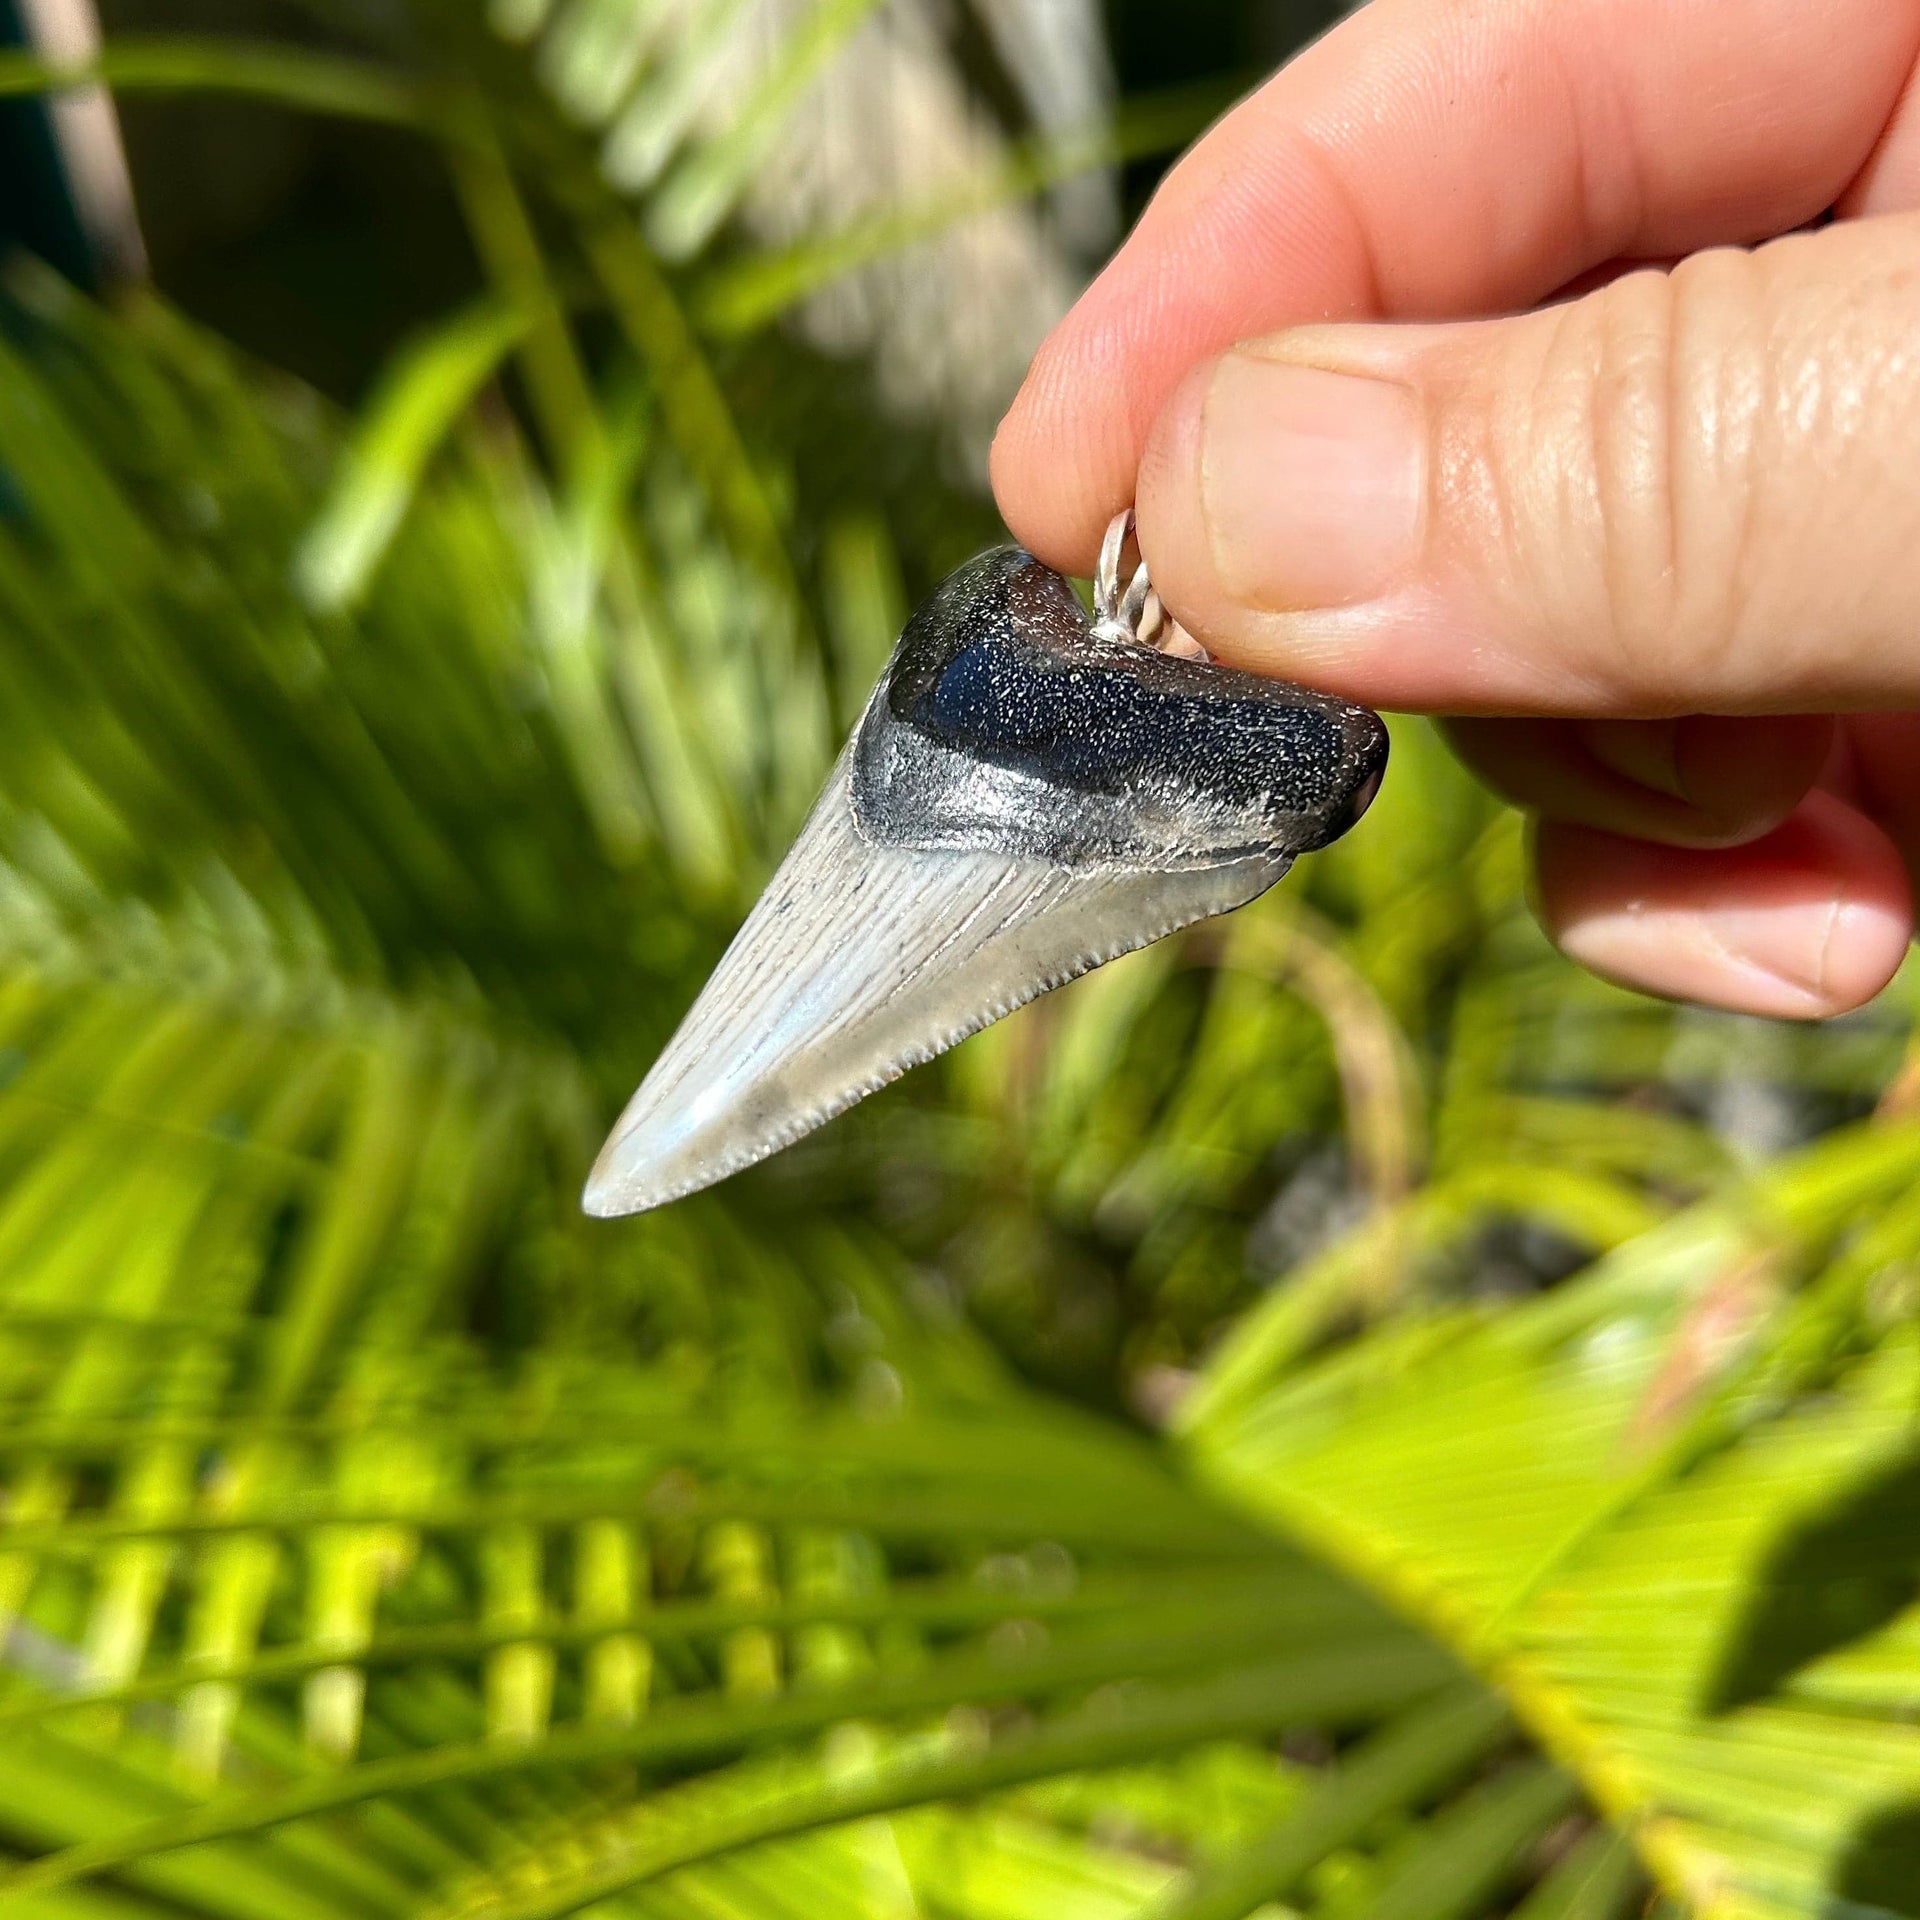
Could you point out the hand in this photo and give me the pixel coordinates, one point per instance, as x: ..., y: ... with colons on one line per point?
x: 1647, y: 540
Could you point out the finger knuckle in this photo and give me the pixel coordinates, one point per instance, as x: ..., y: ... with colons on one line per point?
x: 1624, y: 464
x: 1627, y: 477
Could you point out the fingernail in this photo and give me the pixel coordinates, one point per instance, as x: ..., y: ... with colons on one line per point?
x: 1773, y: 960
x: 1313, y: 483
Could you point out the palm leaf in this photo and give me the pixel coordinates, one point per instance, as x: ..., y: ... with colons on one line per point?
x: 1684, y: 1605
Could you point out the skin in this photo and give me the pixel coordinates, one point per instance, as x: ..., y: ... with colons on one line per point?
x: 1554, y: 366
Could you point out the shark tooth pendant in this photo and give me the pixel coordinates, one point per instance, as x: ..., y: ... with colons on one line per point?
x: 1027, y: 796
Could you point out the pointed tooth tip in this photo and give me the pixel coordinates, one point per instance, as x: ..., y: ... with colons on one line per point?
x: 601, y: 1200
x: 616, y: 1198
x: 627, y: 1180
x: 655, y: 1156
x: 622, y: 1182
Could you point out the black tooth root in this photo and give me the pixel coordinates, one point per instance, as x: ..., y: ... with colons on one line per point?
x: 1367, y: 750
x: 1005, y: 723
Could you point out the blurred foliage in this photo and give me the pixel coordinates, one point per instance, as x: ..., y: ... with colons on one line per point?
x: 1534, y: 1526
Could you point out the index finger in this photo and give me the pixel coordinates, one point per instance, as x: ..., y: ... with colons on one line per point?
x: 1430, y: 159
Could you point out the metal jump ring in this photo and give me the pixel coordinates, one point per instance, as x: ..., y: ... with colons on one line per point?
x: 1134, y: 615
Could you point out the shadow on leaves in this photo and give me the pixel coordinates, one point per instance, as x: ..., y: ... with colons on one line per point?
x: 1881, y: 1866
x: 1831, y: 1579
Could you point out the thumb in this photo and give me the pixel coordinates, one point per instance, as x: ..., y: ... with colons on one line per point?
x: 1692, y: 491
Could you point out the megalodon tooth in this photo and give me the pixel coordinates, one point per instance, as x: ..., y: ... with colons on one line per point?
x: 1028, y: 795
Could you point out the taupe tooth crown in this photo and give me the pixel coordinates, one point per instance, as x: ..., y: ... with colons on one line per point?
x: 1024, y: 799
